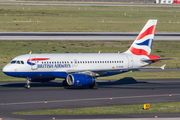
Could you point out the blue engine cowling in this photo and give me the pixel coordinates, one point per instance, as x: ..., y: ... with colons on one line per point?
x: 79, y: 79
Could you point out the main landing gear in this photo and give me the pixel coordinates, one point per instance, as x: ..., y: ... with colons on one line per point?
x: 94, y: 85
x: 27, y: 86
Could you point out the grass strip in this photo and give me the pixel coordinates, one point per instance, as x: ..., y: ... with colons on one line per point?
x: 33, y: 18
x: 170, y: 107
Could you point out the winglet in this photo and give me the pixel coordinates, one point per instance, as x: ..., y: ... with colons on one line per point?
x: 162, y: 67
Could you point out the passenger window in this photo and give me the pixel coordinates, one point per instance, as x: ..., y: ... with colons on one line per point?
x: 18, y: 62
x: 107, y: 61
x: 22, y: 62
x: 71, y: 62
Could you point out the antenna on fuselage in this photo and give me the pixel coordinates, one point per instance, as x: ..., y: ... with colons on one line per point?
x: 30, y: 52
x: 99, y: 52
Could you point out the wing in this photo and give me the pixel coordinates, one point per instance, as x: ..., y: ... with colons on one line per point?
x: 98, y: 72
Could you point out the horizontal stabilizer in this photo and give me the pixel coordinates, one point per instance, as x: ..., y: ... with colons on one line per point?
x: 158, y: 59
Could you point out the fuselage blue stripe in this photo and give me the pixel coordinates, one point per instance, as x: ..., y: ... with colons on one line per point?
x: 50, y: 74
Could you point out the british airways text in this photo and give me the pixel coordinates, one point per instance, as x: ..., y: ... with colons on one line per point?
x: 54, y: 66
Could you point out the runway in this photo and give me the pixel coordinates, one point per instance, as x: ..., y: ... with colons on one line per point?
x: 107, y: 36
x: 125, y: 91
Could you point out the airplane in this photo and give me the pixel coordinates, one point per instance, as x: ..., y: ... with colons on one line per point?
x: 79, y: 69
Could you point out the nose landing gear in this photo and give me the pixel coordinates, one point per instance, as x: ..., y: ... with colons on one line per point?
x: 27, y: 86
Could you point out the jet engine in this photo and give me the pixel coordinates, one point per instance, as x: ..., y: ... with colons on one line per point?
x: 79, y: 79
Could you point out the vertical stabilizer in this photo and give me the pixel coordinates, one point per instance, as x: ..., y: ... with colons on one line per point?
x: 143, y: 43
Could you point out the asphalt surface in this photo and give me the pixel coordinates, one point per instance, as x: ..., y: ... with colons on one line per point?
x: 127, y: 91
x: 93, y: 4
x: 108, y: 36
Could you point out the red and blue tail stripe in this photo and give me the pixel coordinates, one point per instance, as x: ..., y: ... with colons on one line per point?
x: 149, y: 31
x: 143, y: 43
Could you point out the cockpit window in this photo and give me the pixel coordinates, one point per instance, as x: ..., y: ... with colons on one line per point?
x: 22, y: 62
x: 17, y: 62
x: 13, y: 62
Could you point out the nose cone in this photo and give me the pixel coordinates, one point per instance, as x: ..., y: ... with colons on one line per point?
x: 6, y: 70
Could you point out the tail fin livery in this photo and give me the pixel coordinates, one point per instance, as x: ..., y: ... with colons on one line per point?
x: 143, y: 43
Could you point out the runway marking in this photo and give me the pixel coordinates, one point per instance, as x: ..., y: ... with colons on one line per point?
x: 35, y: 88
x: 91, y: 99
x: 157, y: 86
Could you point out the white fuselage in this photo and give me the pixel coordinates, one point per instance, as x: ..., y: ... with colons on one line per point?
x: 57, y: 65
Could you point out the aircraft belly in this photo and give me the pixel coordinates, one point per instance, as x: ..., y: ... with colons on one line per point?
x: 112, y: 73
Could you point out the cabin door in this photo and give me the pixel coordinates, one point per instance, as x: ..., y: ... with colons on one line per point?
x: 33, y: 62
x: 130, y: 62
x: 75, y: 63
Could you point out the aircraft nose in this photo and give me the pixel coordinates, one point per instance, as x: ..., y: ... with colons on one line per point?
x: 6, y: 69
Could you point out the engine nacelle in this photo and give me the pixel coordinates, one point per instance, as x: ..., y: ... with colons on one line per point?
x: 41, y: 79
x: 79, y: 79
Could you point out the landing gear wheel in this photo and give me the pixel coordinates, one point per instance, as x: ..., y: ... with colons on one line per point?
x: 27, y: 86
x: 64, y: 83
x: 93, y: 86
